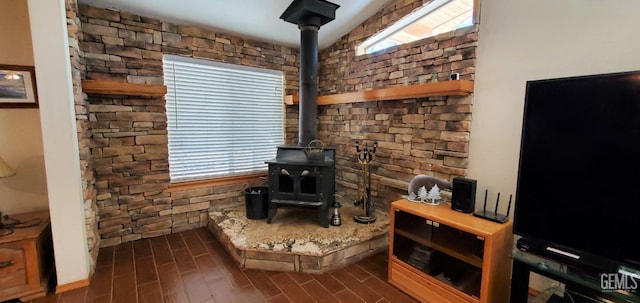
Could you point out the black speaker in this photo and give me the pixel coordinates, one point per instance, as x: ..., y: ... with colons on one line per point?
x: 463, y: 198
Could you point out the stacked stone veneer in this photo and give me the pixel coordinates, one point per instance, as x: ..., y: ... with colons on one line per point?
x: 84, y: 134
x: 129, y: 133
x: 416, y: 136
x: 342, y: 70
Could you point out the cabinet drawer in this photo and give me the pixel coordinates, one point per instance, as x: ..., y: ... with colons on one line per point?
x: 420, y: 287
x: 12, y: 266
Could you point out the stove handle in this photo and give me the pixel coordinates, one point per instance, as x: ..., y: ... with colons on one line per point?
x: 304, y: 173
x: 285, y: 172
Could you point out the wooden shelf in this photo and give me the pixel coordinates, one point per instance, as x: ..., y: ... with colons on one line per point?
x: 476, y: 249
x: 436, y: 89
x: 120, y: 88
x: 450, y: 248
x: 413, y: 281
x: 443, y: 214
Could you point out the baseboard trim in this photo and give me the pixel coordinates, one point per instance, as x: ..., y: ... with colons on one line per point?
x: 73, y: 285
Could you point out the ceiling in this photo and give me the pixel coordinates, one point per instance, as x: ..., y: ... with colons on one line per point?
x: 256, y: 19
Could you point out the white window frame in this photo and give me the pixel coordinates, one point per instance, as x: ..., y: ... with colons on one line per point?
x: 251, y: 136
x: 404, y: 22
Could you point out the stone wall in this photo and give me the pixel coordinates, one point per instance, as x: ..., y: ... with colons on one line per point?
x: 342, y: 70
x: 132, y: 171
x: 129, y: 134
x: 425, y: 135
x: 416, y: 136
x: 84, y: 134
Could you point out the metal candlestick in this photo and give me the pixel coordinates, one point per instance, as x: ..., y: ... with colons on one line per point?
x: 365, y: 157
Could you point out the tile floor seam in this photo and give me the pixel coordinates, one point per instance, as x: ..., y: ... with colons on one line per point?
x: 153, y: 255
x: 324, y: 287
x: 173, y: 261
x: 155, y: 266
x: 113, y: 261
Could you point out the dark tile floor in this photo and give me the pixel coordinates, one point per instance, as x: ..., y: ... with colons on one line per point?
x: 192, y: 266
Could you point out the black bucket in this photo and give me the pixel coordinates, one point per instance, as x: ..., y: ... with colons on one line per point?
x: 257, y: 202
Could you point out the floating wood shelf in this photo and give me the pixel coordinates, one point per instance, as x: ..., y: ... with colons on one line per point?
x: 120, y: 88
x: 436, y: 89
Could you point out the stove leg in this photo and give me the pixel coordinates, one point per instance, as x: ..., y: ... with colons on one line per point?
x: 323, y: 213
x: 272, y: 212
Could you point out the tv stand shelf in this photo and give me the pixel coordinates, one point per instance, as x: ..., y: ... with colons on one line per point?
x: 450, y: 247
x: 438, y: 255
x: 576, y: 282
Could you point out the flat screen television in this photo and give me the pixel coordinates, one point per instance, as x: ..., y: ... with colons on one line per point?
x: 579, y: 172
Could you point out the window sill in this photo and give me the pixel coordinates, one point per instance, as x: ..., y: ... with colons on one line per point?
x: 188, y: 185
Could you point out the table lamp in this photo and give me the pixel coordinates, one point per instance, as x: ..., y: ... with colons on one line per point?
x: 5, y: 170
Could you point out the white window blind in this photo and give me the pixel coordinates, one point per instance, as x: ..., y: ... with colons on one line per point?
x: 223, y: 119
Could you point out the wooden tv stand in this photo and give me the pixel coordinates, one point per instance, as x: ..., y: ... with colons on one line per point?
x: 438, y: 255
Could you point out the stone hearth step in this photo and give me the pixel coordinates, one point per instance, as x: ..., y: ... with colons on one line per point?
x: 294, y: 241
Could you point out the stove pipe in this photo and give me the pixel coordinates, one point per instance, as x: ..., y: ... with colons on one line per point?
x: 309, y: 15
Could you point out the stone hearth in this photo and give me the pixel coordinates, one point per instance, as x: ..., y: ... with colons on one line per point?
x: 295, y: 241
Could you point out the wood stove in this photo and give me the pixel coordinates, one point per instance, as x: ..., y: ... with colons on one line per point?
x: 297, y: 181
x: 296, y: 178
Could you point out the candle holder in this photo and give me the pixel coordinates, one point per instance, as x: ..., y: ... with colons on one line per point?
x: 365, y: 155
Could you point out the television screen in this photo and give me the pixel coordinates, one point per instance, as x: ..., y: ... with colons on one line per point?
x: 579, y: 172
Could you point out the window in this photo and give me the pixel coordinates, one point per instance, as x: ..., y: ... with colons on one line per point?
x: 223, y: 119
x: 435, y: 17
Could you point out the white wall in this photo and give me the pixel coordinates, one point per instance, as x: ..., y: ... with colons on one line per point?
x: 20, y: 135
x: 526, y: 40
x: 53, y: 70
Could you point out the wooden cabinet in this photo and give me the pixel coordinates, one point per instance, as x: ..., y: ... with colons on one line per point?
x: 26, y: 259
x: 438, y: 255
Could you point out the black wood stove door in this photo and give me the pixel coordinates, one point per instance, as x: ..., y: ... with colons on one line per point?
x: 295, y: 182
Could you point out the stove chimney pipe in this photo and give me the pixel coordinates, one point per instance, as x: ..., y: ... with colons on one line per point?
x: 308, y: 106
x: 309, y: 15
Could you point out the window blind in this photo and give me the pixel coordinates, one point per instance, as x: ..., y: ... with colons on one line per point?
x: 223, y: 119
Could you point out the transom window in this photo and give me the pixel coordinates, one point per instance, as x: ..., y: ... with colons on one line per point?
x: 223, y: 119
x: 436, y: 17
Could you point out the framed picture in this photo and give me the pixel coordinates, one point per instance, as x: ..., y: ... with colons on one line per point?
x: 18, y: 86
